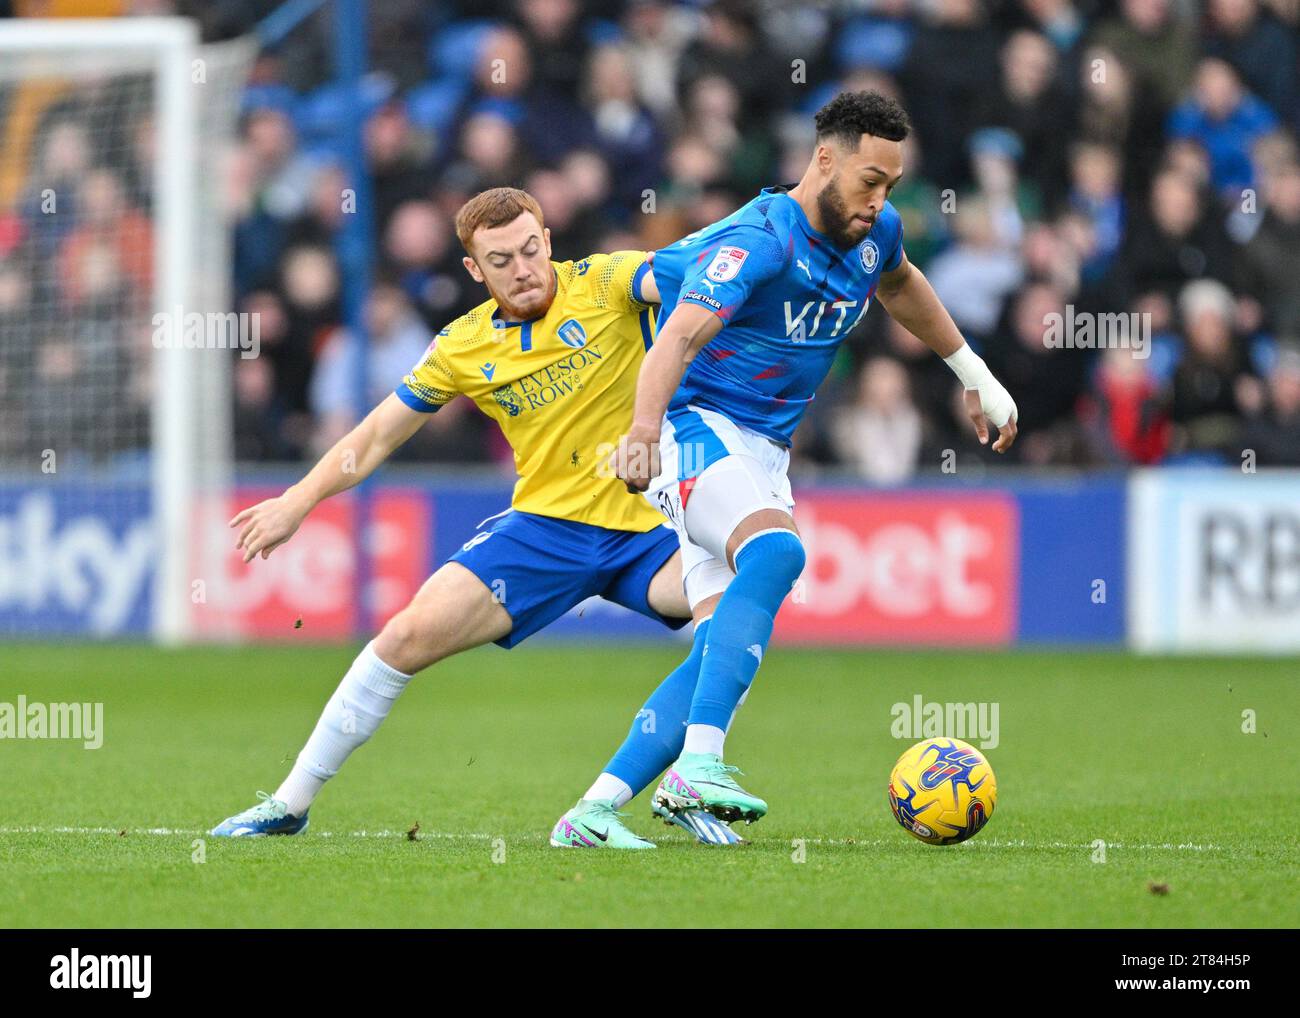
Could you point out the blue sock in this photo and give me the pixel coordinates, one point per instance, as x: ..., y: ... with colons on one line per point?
x: 655, y: 739
x: 766, y: 569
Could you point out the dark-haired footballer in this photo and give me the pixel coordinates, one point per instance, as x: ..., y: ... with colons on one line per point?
x: 552, y: 358
x: 754, y: 309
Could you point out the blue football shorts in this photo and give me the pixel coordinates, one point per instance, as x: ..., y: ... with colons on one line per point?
x: 541, y: 567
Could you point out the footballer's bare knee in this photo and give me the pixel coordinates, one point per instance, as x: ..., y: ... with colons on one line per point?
x: 705, y: 608
x: 665, y: 593
x: 755, y: 523
x: 402, y: 645
x: 452, y: 612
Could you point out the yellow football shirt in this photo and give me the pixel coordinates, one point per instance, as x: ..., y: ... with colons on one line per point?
x: 561, y: 387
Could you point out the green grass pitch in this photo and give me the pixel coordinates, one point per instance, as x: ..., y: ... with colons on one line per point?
x: 485, y: 751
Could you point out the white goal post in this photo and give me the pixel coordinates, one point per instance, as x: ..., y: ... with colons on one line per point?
x: 188, y: 114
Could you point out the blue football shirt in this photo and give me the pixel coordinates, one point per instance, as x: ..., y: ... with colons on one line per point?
x: 787, y: 295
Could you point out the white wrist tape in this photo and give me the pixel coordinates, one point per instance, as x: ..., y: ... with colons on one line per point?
x: 968, y: 366
x: 970, y: 369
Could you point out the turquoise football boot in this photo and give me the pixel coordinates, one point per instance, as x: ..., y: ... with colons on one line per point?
x: 595, y: 824
x: 702, y: 781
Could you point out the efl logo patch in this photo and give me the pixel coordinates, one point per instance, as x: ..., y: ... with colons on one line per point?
x: 870, y: 254
x: 726, y: 263
x: 572, y: 333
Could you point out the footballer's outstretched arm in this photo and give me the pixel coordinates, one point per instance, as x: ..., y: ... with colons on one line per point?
x: 911, y: 301
x: 687, y: 331
x: 353, y: 458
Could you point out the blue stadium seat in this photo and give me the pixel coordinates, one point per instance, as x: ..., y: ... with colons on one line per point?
x: 877, y: 44
x: 818, y: 98
x: 454, y: 50
x: 603, y: 32
x: 433, y: 105
x: 507, y: 109
x: 1262, y: 351
x: 324, y: 150
x: 270, y: 97
x: 1166, y: 352
x: 323, y: 112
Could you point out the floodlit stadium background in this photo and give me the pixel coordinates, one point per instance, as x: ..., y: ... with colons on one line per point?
x: 1068, y: 158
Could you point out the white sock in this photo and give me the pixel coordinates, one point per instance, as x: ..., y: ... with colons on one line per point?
x: 704, y: 739
x: 361, y: 702
x: 609, y: 787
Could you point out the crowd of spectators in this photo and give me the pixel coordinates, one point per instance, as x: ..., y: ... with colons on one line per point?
x: 1069, y: 157
x: 76, y: 268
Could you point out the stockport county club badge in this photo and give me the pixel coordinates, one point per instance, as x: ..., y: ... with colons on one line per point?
x: 870, y: 254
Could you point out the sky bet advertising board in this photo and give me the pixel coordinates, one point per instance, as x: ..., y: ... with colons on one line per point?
x: 1040, y: 562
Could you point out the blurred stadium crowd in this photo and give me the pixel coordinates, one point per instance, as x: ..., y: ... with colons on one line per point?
x: 1100, y: 155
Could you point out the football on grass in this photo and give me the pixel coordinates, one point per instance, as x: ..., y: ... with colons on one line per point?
x: 942, y: 791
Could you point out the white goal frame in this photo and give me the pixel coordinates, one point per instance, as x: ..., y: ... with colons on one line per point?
x: 170, y: 46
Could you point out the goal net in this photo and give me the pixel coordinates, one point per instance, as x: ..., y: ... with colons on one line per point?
x: 116, y: 138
